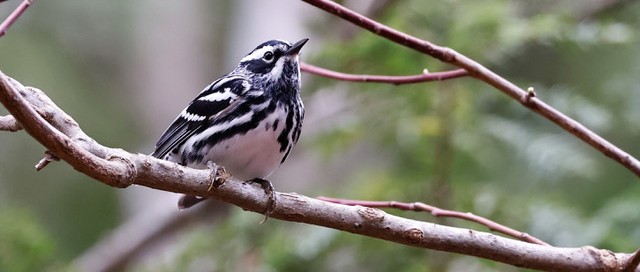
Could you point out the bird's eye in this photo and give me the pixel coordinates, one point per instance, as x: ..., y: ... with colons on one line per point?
x: 268, y: 56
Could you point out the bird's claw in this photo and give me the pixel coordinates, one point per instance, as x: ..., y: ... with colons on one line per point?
x: 270, y: 191
x: 218, y: 177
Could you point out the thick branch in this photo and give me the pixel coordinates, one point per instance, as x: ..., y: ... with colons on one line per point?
x: 114, y: 173
x: 480, y: 72
x: 395, y: 80
x: 116, y: 167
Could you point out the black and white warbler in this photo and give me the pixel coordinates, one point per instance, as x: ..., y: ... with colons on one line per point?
x: 246, y: 121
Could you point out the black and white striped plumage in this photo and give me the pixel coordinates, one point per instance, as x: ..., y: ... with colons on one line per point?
x: 247, y: 121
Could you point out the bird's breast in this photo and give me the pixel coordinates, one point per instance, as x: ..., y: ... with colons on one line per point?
x: 254, y: 154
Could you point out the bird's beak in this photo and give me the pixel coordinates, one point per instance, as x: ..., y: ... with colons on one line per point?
x: 295, y: 48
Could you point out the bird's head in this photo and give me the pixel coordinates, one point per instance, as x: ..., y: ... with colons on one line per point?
x: 274, y: 62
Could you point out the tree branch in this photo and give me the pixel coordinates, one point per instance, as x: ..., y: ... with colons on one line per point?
x: 48, y: 158
x: 438, y: 212
x: 118, y: 168
x: 395, y: 80
x: 632, y: 263
x: 482, y: 73
x: 8, y: 123
x: 110, y: 170
x: 13, y: 17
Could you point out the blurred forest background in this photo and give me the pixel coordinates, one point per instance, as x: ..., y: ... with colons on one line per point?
x: 124, y: 69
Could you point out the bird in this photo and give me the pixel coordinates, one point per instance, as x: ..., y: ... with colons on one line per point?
x: 246, y: 121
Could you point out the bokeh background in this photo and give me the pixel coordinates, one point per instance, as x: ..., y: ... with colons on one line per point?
x: 124, y: 69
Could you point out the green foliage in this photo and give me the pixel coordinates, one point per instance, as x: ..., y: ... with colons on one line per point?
x: 24, y: 244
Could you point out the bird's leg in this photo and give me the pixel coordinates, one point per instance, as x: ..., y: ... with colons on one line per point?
x: 218, y: 176
x: 268, y: 189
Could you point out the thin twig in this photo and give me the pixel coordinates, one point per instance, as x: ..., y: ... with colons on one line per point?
x: 48, y: 157
x: 13, y: 17
x: 480, y: 72
x: 395, y: 80
x: 438, y: 212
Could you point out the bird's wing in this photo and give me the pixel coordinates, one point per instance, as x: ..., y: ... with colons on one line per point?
x: 214, y: 100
